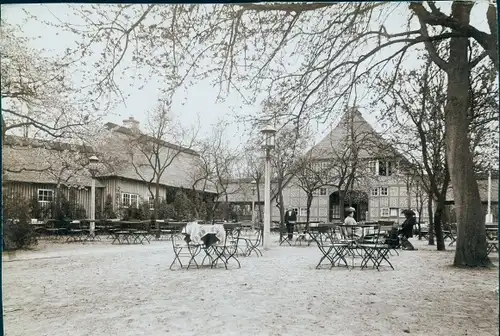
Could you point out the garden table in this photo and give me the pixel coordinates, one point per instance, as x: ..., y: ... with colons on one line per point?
x: 206, y: 234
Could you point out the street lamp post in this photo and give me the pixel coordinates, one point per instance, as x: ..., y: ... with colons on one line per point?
x: 93, y: 161
x: 268, y: 133
x: 253, y: 183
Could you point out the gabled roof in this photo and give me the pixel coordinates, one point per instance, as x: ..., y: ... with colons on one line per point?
x: 180, y: 173
x: 14, y: 140
x: 370, y: 144
x: 44, y: 162
x: 130, y: 132
x: 36, y: 161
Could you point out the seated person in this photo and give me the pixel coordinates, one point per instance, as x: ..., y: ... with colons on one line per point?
x: 349, y: 220
x: 406, y: 230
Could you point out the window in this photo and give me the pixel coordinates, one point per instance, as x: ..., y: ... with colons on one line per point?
x: 45, y: 195
x: 151, y: 202
x: 384, y: 212
x: 375, y: 192
x: 372, y: 167
x: 322, y: 191
x: 383, y: 191
x: 382, y: 168
x: 130, y: 200
x: 335, y: 211
x: 394, y: 212
x: 385, y: 168
x: 303, y: 212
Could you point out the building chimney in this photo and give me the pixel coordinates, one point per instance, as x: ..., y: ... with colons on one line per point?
x: 131, y: 123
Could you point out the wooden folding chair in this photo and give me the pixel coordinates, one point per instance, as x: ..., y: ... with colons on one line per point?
x: 253, y: 242
x: 181, y: 247
x: 228, y: 249
x: 334, y: 251
x: 377, y: 252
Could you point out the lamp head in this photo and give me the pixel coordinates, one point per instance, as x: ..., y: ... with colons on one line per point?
x: 268, y: 132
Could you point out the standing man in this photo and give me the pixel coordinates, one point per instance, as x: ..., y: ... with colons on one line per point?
x: 290, y: 220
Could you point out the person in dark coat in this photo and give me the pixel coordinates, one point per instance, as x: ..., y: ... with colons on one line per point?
x: 290, y: 220
x: 406, y: 230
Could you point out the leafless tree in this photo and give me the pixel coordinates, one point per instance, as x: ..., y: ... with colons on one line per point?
x: 38, y: 99
x: 289, y: 145
x: 200, y: 175
x: 414, y: 107
x: 311, y: 55
x: 254, y: 169
x: 417, y: 99
x: 311, y: 176
x: 346, y: 153
x: 151, y: 153
x: 218, y: 166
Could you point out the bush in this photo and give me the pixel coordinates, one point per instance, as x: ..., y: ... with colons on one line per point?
x: 146, y: 212
x: 183, y: 207
x: 67, y: 210
x: 18, y: 233
x: 36, y: 210
x: 108, y: 208
x: 166, y: 211
x: 133, y: 214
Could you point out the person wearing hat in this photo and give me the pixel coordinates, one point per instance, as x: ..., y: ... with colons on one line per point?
x: 349, y: 220
x: 290, y: 220
x: 406, y: 230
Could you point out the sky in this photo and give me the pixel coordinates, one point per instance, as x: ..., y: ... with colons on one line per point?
x: 200, y: 102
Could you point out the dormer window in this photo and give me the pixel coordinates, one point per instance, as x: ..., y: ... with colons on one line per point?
x: 381, y: 167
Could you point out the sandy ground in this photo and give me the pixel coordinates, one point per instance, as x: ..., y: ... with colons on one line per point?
x: 100, y: 289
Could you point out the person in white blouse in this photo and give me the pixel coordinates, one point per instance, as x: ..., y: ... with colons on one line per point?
x: 349, y: 220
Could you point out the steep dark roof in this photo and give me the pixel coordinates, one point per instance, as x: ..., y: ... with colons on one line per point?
x: 374, y: 145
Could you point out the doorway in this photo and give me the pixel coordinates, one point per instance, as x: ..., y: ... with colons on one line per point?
x: 353, y: 198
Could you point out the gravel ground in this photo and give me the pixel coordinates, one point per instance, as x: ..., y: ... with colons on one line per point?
x: 102, y: 289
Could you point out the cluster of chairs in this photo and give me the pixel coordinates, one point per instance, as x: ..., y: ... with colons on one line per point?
x: 121, y: 232
x: 492, y: 237
x: 64, y: 229
x: 374, y: 248
x: 339, y: 243
x: 239, y: 241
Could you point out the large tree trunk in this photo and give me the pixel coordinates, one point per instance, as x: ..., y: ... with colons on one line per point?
x: 420, y: 209
x: 341, y: 206
x: 431, y: 219
x: 227, y: 208
x: 195, y: 202
x: 438, y: 228
x: 471, y: 247
x: 440, y: 210
x: 308, y: 210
